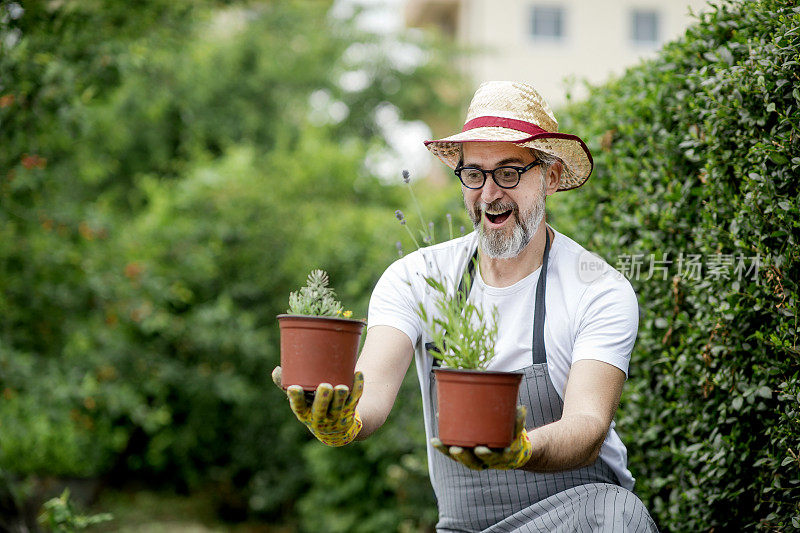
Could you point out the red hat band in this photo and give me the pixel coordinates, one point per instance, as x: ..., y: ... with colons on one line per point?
x: 501, y: 122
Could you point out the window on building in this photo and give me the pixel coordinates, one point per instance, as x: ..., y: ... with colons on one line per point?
x: 644, y: 26
x: 547, y: 22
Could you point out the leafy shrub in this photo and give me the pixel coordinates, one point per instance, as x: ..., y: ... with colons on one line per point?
x: 696, y: 154
x: 165, y: 180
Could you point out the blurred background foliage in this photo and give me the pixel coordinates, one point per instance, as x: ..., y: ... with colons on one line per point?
x: 169, y: 171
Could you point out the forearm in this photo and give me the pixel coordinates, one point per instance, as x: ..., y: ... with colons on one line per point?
x: 374, y: 408
x: 566, y: 444
x: 384, y: 361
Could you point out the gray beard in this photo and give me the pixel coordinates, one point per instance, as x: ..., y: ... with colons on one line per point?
x: 498, y: 245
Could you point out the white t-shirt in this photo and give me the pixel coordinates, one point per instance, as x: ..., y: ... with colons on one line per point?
x: 591, y: 313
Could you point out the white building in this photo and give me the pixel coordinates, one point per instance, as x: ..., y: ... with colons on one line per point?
x: 549, y: 42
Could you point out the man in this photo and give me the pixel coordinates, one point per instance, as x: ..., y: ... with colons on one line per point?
x: 569, y: 328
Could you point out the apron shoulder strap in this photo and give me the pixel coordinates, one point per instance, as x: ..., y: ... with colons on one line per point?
x: 465, y: 286
x: 539, y: 355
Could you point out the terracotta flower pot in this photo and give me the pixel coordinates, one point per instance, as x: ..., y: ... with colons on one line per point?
x: 476, y: 408
x: 316, y: 349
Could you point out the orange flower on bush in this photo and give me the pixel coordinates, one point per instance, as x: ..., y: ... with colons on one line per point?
x: 33, y: 161
x: 86, y: 231
x: 133, y: 271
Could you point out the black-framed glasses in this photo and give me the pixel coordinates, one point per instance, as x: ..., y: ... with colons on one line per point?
x: 506, y: 177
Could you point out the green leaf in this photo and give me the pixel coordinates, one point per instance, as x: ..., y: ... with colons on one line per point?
x: 764, y: 392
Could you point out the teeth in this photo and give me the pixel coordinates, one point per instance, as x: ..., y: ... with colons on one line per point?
x: 495, y: 211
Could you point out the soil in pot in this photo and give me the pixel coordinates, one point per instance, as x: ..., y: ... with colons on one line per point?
x: 316, y: 349
x: 476, y: 408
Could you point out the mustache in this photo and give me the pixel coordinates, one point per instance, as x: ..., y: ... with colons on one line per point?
x: 497, y: 205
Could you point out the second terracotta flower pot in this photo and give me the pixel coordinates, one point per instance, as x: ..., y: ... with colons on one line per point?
x: 476, y: 408
x: 316, y: 349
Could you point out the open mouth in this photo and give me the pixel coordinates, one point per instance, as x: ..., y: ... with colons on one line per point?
x: 497, y: 217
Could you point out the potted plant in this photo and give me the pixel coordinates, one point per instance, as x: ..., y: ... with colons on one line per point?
x: 475, y: 406
x: 319, y: 341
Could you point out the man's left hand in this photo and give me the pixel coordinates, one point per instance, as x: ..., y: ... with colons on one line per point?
x: 516, y: 455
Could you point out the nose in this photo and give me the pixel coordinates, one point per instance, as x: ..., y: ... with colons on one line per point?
x: 490, y: 191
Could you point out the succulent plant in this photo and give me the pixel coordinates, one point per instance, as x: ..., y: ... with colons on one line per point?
x: 316, y: 298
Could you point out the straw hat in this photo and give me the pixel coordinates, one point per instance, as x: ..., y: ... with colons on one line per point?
x: 515, y: 112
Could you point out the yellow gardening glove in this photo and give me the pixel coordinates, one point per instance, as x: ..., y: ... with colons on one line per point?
x: 516, y: 455
x: 332, y: 416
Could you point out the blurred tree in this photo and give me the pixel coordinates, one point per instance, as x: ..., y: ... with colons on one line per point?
x: 168, y: 173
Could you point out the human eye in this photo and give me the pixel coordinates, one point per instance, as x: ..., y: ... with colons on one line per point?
x: 471, y: 176
x: 506, y: 175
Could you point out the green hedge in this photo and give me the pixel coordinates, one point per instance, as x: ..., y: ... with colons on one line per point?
x: 697, y: 152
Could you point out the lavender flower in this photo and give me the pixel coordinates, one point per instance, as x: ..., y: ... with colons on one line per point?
x: 399, y: 248
x: 399, y: 216
x: 406, y: 176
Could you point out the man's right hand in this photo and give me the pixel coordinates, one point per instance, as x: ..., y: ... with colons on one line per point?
x: 332, y: 416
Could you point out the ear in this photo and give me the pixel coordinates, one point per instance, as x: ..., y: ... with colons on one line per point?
x: 553, y: 177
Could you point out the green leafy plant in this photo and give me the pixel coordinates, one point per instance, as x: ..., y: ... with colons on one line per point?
x: 462, y: 335
x: 59, y: 515
x: 316, y: 298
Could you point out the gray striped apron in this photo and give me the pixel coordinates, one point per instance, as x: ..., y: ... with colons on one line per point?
x: 494, y: 501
